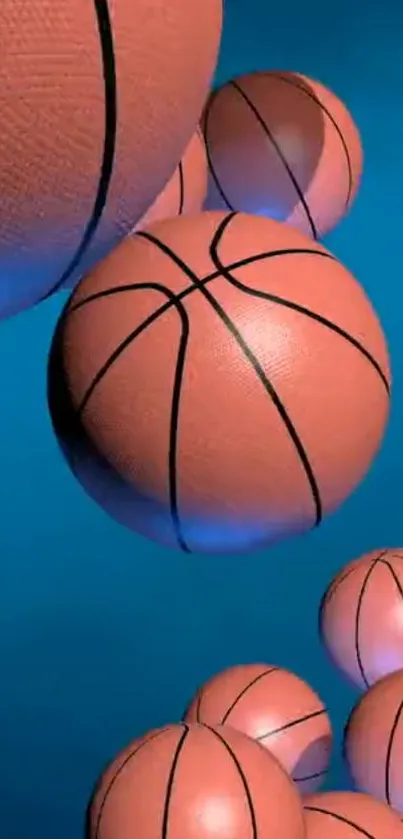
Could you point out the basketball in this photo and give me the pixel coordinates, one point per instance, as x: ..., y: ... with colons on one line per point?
x: 274, y: 707
x: 361, y: 617
x: 195, y: 781
x: 349, y: 815
x: 373, y: 741
x: 98, y: 102
x: 192, y: 383
x: 284, y: 146
x: 186, y: 190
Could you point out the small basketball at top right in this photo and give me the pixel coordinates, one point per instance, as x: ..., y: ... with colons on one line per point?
x: 284, y: 146
x: 361, y: 617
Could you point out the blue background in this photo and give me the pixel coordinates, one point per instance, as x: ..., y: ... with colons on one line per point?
x: 102, y: 634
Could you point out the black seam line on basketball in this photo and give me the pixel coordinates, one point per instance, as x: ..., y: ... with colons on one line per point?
x: 181, y: 188
x: 127, y: 760
x: 241, y: 263
x: 127, y: 340
x: 199, y: 699
x: 255, y: 365
x: 245, y: 690
x: 173, y: 426
x: 294, y: 83
x: 170, y: 783
x: 335, y: 583
x: 238, y: 766
x: 299, y: 780
x: 210, y: 163
x: 365, y: 583
x: 340, y: 818
x: 109, y: 142
x: 179, y: 369
x: 280, y: 154
x: 289, y: 304
x: 393, y: 575
x: 278, y: 404
x: 389, y: 750
x: 291, y: 724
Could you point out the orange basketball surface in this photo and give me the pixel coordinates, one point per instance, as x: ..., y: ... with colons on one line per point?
x: 98, y: 101
x: 282, y: 145
x: 274, y: 707
x: 186, y: 190
x: 373, y: 741
x: 195, y: 782
x: 361, y: 617
x: 219, y: 382
x: 349, y: 815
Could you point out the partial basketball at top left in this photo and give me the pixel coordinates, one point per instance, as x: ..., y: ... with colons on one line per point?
x: 98, y: 100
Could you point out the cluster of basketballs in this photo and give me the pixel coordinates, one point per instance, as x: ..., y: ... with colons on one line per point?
x: 220, y: 380
x: 361, y: 625
x: 254, y: 743
x: 217, y: 380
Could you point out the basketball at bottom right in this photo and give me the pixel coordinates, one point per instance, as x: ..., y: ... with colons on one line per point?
x: 373, y: 741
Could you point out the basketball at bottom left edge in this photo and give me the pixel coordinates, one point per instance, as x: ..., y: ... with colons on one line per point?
x: 195, y: 782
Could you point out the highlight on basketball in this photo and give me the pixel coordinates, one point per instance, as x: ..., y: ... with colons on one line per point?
x: 194, y: 780
x: 277, y: 709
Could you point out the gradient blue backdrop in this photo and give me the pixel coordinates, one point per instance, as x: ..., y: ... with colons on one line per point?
x: 102, y: 634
